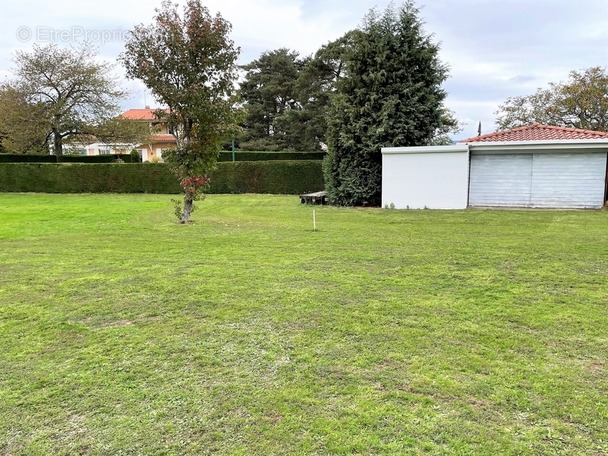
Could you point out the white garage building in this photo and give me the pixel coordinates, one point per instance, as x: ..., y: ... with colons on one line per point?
x: 532, y: 166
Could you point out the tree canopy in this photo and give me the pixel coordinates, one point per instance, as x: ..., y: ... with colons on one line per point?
x: 286, y: 97
x: 580, y: 102
x: 188, y: 63
x: 57, y: 95
x: 269, y: 90
x: 390, y: 95
x: 23, y: 127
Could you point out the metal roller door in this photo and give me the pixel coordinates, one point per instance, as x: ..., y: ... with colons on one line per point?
x: 501, y: 180
x: 568, y: 180
x: 538, y: 180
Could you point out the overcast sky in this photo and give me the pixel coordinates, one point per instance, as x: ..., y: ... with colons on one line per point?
x: 494, y: 49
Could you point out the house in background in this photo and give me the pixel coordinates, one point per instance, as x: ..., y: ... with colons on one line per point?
x: 161, y: 137
x: 152, y: 150
x: 532, y: 166
x: 99, y: 148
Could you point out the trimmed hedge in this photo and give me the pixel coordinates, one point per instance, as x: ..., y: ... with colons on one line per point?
x: 266, y: 156
x: 223, y: 157
x: 21, y: 158
x: 278, y: 177
x: 94, y: 158
x: 86, y: 178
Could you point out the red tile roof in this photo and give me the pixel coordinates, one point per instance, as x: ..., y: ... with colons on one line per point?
x: 139, y: 114
x: 538, y: 132
x: 163, y: 138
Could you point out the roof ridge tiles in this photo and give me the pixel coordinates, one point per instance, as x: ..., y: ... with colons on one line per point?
x: 538, y: 132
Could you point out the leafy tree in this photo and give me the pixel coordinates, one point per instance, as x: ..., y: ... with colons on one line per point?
x: 269, y: 92
x: 581, y: 102
x: 390, y: 95
x: 189, y: 65
x: 315, y: 87
x: 119, y: 132
x: 22, y: 126
x: 59, y: 95
x: 287, y: 97
x: 448, y: 127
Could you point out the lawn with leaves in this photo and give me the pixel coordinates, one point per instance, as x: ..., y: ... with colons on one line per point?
x: 384, y: 332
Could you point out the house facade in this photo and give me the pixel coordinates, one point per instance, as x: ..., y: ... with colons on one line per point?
x: 533, y: 166
x: 160, y: 138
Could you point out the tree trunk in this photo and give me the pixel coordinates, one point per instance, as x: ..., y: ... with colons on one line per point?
x: 57, y: 142
x: 188, y: 204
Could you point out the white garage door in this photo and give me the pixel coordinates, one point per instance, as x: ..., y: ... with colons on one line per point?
x: 568, y: 180
x: 501, y: 180
x: 538, y: 180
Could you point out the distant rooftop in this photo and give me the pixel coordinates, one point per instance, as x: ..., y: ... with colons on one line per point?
x: 163, y: 138
x: 139, y: 114
x: 538, y: 132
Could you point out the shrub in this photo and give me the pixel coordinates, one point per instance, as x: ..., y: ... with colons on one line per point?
x: 24, y: 158
x: 135, y: 158
x: 280, y: 177
x: 266, y: 156
x: 264, y: 144
x: 94, y: 158
x: 86, y: 178
x: 27, y: 158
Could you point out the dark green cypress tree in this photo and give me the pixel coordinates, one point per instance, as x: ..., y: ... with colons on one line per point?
x: 390, y: 96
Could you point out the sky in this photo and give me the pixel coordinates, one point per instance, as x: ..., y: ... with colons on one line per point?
x: 494, y: 49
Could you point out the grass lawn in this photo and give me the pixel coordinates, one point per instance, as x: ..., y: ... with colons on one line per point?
x: 384, y: 332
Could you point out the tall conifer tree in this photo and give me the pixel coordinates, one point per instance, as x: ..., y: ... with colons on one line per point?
x: 390, y: 95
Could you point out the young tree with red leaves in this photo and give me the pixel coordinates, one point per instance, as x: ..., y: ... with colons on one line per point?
x: 189, y: 64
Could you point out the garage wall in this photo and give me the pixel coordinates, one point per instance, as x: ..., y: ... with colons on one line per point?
x: 544, y: 174
x: 542, y: 179
x: 425, y: 177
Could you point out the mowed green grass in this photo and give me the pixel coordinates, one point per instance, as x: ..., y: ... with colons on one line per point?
x: 384, y: 332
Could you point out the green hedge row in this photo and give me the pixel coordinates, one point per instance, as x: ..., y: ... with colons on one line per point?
x: 223, y: 157
x: 94, y: 158
x: 21, y: 158
x: 278, y: 177
x: 265, y: 156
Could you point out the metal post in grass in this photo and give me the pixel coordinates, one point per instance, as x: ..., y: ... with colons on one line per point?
x: 233, y: 154
x: 314, y: 220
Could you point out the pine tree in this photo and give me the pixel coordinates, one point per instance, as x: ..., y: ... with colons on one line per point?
x: 390, y: 95
x: 269, y: 92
